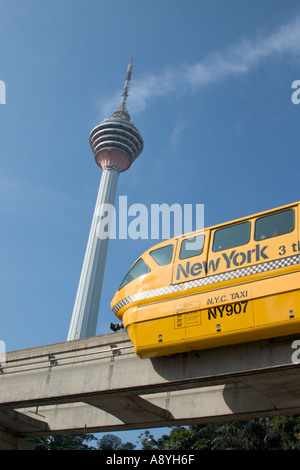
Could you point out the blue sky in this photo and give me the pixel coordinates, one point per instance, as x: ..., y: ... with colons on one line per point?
x: 210, y: 94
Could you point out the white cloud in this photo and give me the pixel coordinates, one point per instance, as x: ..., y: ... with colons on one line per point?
x: 236, y: 60
x: 141, y: 91
x: 242, y: 57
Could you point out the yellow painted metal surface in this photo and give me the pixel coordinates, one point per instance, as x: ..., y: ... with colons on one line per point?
x: 246, y: 292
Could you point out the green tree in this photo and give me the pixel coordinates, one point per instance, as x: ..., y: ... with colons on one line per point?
x: 241, y: 435
x: 187, y: 439
x: 288, y: 427
x: 65, y: 442
x: 255, y: 434
x: 112, y: 442
x: 146, y: 441
x: 282, y: 433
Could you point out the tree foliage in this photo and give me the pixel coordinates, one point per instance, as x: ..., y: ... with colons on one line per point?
x: 282, y: 433
x: 64, y: 442
x: 112, y: 442
x: 256, y: 434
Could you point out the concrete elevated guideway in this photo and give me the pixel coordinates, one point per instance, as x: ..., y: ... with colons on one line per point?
x: 99, y: 384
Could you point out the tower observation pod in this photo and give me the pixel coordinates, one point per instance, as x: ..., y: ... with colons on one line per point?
x: 116, y: 143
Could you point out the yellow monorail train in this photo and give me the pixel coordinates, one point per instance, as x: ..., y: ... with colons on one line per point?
x: 231, y: 283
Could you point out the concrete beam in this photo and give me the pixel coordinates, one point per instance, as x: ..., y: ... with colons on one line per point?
x: 183, y: 407
x: 10, y: 442
x: 19, y: 423
x: 77, y: 369
x: 99, y: 384
x: 130, y: 408
x: 15, y: 424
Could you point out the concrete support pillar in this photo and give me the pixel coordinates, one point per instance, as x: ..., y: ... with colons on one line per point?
x: 11, y: 442
x: 85, y: 313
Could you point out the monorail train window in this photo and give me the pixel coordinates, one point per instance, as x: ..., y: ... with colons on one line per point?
x: 229, y: 237
x: 191, y: 247
x: 162, y: 255
x: 274, y: 225
x: 138, y: 269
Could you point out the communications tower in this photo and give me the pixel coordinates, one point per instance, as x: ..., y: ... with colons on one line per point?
x: 116, y: 143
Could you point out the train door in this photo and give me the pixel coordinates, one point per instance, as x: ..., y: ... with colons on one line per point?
x: 228, y: 304
x: 276, y: 294
x: 189, y: 271
x: 190, y: 261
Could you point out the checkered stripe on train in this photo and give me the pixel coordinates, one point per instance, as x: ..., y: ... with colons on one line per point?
x: 213, y: 279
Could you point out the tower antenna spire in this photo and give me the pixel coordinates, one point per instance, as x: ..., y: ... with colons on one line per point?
x: 126, y: 86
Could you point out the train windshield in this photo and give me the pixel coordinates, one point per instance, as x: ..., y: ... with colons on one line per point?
x: 163, y: 255
x: 138, y: 269
x: 191, y: 247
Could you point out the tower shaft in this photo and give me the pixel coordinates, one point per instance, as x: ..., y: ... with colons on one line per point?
x: 116, y: 143
x: 86, y: 307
